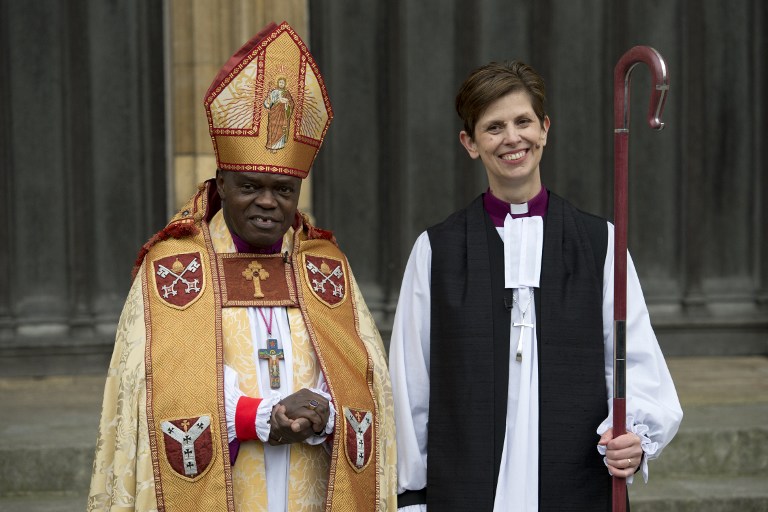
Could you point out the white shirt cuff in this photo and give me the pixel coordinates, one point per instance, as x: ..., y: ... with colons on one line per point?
x: 319, y: 439
x: 648, y: 446
x: 232, y: 394
x: 264, y: 414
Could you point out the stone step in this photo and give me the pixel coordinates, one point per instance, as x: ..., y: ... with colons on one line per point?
x: 727, y: 439
x: 718, y: 461
x: 45, y: 469
x: 44, y: 502
x: 713, y: 440
x: 716, y: 493
x: 49, y: 442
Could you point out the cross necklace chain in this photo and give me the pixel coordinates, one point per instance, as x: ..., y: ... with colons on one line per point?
x: 522, y: 325
x: 272, y: 354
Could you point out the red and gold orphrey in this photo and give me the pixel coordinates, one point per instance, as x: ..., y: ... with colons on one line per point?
x: 192, y: 339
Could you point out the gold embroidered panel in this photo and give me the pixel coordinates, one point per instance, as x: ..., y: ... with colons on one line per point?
x: 256, y: 280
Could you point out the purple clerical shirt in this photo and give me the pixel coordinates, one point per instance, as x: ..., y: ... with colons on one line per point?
x: 243, y: 246
x: 498, y: 209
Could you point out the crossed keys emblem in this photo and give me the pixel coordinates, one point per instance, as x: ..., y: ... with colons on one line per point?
x: 327, y: 284
x: 179, y: 269
x: 178, y: 272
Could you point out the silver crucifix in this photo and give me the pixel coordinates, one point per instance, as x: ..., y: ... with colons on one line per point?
x: 521, y: 324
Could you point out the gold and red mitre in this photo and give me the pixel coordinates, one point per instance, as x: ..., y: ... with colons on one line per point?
x: 268, y: 110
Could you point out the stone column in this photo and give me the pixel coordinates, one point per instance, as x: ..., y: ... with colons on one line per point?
x: 82, y: 165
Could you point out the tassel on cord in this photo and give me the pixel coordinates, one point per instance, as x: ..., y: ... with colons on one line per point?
x: 178, y: 229
x: 314, y: 233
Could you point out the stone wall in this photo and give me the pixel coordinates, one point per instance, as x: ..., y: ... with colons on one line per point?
x: 392, y: 164
x: 103, y: 134
x: 82, y: 160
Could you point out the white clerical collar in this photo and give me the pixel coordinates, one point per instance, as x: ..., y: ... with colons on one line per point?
x: 518, y: 209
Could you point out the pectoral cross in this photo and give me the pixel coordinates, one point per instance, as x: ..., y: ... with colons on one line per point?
x: 256, y: 273
x: 273, y: 355
x: 521, y: 324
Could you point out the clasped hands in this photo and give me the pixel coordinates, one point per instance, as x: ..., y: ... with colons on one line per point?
x: 297, y: 417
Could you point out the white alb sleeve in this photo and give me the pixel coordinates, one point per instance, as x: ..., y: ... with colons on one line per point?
x: 409, y: 368
x: 653, y: 408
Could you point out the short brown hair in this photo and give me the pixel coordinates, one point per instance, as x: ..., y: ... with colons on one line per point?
x: 494, y: 80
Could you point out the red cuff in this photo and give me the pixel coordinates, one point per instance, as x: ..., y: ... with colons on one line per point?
x: 245, y: 418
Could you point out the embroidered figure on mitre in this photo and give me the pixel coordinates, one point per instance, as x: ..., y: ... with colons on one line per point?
x: 280, y: 104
